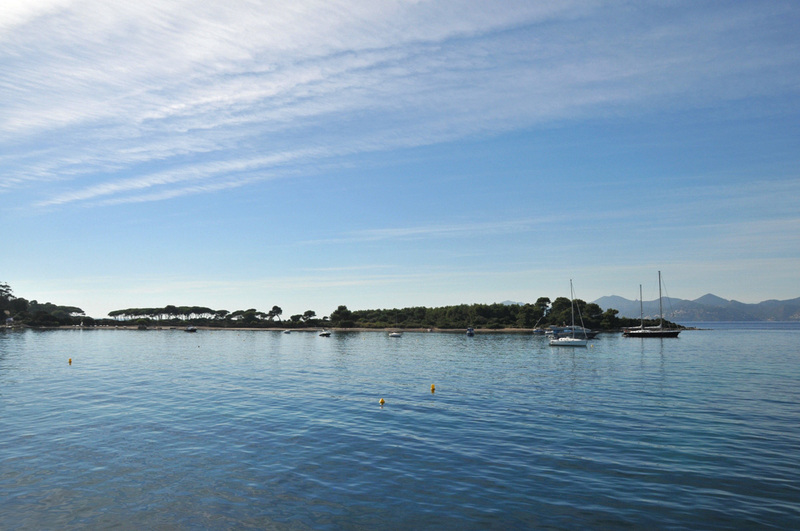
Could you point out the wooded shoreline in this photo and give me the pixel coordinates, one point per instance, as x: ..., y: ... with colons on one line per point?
x: 481, y: 317
x: 137, y: 328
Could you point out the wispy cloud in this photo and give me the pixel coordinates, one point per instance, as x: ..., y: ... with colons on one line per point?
x: 193, y: 173
x: 439, y: 231
x: 101, y: 97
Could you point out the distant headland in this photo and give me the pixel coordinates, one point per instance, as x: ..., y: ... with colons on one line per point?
x: 707, y: 308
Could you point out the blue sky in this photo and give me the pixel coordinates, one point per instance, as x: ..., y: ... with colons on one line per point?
x: 309, y: 154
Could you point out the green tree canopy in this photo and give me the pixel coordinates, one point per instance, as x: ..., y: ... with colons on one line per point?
x: 276, y: 311
x: 343, y: 317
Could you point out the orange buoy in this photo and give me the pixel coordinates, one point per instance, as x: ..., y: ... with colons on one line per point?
x: 70, y: 361
x: 433, y: 388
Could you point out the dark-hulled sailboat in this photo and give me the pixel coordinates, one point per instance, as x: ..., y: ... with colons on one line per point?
x: 651, y: 331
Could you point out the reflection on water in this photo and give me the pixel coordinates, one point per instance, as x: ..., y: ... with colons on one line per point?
x: 224, y: 429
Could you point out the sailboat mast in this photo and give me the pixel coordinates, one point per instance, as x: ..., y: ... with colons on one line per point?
x: 641, y: 308
x: 572, y: 307
x: 660, y: 309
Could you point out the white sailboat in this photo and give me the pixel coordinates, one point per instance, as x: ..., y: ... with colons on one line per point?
x: 570, y: 340
x: 651, y: 331
x: 395, y: 333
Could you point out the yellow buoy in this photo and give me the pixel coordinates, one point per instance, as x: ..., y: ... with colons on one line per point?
x: 70, y: 361
x: 433, y: 388
x: 382, y: 401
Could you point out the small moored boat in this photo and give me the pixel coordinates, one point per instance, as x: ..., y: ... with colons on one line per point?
x: 570, y: 340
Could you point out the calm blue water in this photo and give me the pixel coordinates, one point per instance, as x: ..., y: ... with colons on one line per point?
x: 225, y: 429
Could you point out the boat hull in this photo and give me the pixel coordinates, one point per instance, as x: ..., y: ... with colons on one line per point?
x: 568, y: 342
x: 651, y: 333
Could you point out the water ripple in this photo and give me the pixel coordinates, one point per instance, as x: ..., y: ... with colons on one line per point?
x: 163, y: 429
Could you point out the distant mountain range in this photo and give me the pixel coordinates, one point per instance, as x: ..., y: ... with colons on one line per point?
x: 707, y: 308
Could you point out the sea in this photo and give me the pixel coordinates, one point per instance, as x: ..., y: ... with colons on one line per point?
x: 222, y: 429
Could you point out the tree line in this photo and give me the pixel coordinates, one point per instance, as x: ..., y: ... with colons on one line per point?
x: 201, y: 315
x: 541, y: 314
x: 20, y: 311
